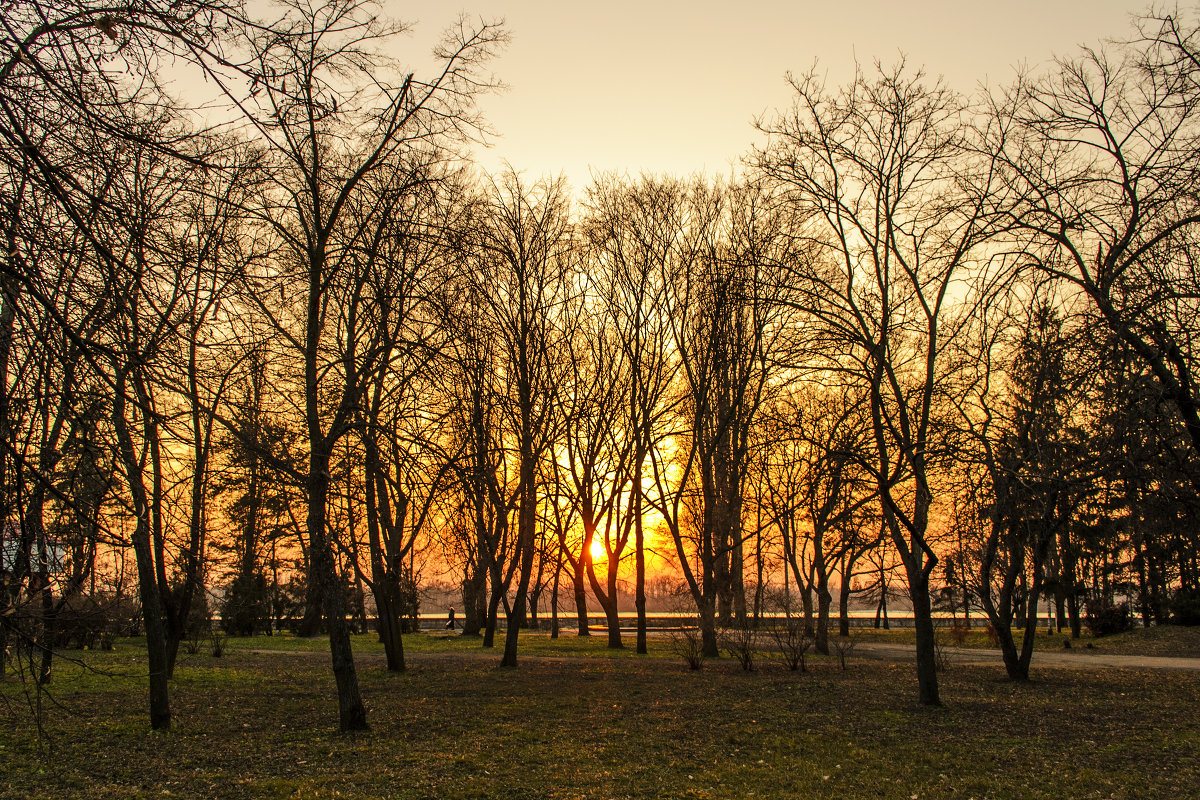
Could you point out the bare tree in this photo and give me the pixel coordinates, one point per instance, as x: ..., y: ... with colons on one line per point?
x: 818, y: 476
x: 1025, y: 445
x: 631, y: 246
x: 873, y: 170
x: 599, y: 441
x: 410, y: 214
x: 78, y: 80
x: 1099, y: 165
x: 328, y: 138
x: 726, y: 322
x: 526, y: 261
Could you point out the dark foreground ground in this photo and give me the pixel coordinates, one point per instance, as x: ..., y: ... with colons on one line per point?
x: 572, y: 722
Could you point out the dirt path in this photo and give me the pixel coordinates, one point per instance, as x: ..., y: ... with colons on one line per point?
x: 1077, y: 658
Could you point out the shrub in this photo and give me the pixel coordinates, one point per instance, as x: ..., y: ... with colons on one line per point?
x: 941, y: 657
x: 95, y: 621
x: 198, y: 627
x: 842, y: 645
x: 409, y: 596
x: 1105, y: 618
x: 1185, y: 607
x: 246, y: 607
x: 688, y: 644
x: 742, y: 644
x: 792, y: 643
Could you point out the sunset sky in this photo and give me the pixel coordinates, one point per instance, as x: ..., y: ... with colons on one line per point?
x: 673, y: 86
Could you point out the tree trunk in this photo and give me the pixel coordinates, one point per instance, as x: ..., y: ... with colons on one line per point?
x: 823, y: 598
x: 474, y: 604
x: 527, y: 547
x: 554, y: 596
x: 531, y: 621
x: 148, y: 590
x: 927, y: 682
x: 352, y: 714
x: 639, y: 545
x: 385, y: 572
x: 49, y: 618
x: 493, y: 613
x: 611, y: 611
x: 579, y: 584
x: 708, y: 629
x: 1008, y: 651
x: 806, y: 603
x: 844, y: 604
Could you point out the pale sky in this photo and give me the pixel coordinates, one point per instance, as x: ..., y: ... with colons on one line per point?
x: 673, y: 86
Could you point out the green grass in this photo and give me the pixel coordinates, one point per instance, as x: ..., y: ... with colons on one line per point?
x: 976, y: 637
x: 576, y: 720
x: 1165, y: 640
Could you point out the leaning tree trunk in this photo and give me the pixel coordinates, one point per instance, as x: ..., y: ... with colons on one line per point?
x: 607, y: 597
x: 527, y: 539
x: 493, y: 608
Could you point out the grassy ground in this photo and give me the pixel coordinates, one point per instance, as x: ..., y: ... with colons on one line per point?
x: 1167, y: 640
x: 572, y: 722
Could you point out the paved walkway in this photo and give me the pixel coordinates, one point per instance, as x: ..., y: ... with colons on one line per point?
x: 1075, y: 658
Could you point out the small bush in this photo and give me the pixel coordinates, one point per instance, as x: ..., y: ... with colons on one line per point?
x: 192, y: 641
x: 842, y: 645
x: 89, y: 622
x: 1185, y: 607
x: 742, y: 644
x: 941, y: 657
x: 959, y: 632
x: 1104, y: 619
x: 688, y: 644
x: 791, y: 643
x: 246, y: 606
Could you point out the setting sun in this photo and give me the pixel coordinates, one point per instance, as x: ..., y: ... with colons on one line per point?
x: 597, y: 551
